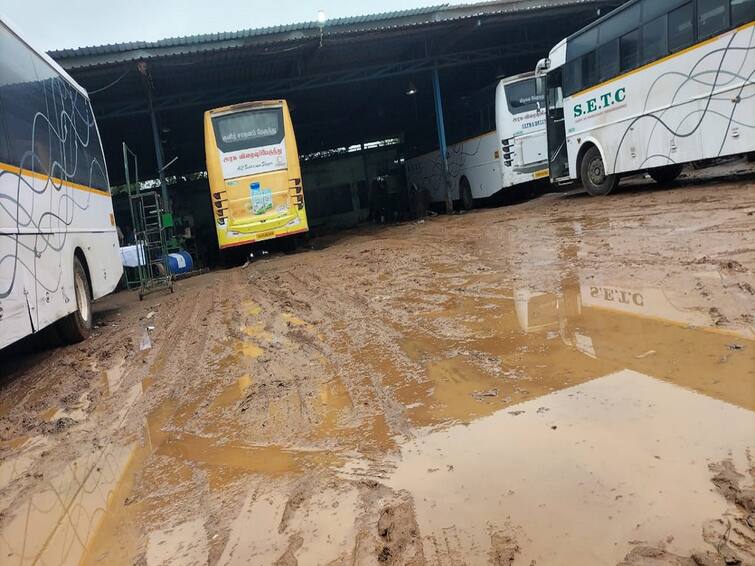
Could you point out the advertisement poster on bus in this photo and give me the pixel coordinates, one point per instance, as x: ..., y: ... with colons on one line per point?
x: 254, y: 161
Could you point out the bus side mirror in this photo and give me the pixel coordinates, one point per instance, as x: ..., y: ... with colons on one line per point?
x: 542, y: 67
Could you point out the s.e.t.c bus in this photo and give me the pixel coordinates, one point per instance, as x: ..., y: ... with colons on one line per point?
x: 650, y: 86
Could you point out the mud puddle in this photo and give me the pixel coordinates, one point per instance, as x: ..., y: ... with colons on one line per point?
x: 563, y: 426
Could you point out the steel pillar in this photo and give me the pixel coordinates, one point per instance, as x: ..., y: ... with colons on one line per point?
x: 158, y: 148
x: 440, y: 125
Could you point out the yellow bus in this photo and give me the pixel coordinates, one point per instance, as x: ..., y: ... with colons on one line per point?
x: 254, y: 174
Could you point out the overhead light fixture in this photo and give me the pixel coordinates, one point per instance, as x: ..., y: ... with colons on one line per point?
x: 411, y: 90
x: 321, y: 17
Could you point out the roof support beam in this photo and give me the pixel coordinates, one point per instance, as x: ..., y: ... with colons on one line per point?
x: 280, y: 87
x: 440, y: 124
x: 155, y: 136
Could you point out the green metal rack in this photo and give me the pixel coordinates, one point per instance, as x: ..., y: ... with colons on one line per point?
x: 147, y: 217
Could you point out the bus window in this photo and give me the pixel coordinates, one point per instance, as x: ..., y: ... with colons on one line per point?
x: 523, y: 97
x: 654, y: 36
x: 620, y: 24
x: 589, y: 70
x: 629, y: 49
x: 17, y: 79
x: 248, y: 130
x: 681, y: 27
x: 742, y: 11
x: 573, y: 77
x: 3, y: 142
x: 712, y: 17
x: 582, y: 43
x: 651, y: 9
x: 555, y: 96
x: 608, y: 60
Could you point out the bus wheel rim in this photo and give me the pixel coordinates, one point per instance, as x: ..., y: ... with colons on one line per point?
x: 597, y: 173
x: 81, y: 298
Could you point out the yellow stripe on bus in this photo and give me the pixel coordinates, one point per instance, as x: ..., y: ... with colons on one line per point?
x: 663, y: 60
x: 43, y: 177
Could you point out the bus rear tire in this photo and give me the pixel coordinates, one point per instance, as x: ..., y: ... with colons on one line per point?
x: 666, y: 174
x: 593, y: 174
x: 78, y: 325
x: 465, y: 194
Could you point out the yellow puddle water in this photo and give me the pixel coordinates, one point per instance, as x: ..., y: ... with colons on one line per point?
x: 481, y: 354
x: 292, y: 320
x: 223, y: 463
x: 252, y: 308
x: 91, y: 514
x: 232, y: 393
x: 249, y: 350
x: 49, y: 414
x: 256, y: 331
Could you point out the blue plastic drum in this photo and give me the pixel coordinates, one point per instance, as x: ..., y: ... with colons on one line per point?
x: 180, y: 262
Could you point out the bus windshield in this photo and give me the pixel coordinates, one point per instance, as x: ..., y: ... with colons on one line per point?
x: 249, y: 130
x: 523, y: 97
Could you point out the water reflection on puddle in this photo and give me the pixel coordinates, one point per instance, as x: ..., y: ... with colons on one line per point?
x: 583, y: 418
x: 480, y: 354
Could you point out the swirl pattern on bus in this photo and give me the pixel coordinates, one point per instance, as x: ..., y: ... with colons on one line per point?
x: 726, y: 75
x: 51, y: 170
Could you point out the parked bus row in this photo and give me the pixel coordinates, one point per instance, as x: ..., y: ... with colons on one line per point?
x: 649, y: 87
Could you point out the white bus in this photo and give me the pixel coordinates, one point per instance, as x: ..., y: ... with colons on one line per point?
x: 512, y: 153
x: 651, y: 86
x: 58, y: 240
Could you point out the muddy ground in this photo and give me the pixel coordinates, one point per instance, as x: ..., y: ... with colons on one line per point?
x: 568, y: 380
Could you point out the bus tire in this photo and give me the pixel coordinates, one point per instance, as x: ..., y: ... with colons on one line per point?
x: 666, y: 174
x: 465, y: 194
x: 78, y: 325
x: 593, y: 174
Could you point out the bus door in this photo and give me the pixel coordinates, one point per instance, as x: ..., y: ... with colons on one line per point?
x: 255, y: 168
x: 558, y: 160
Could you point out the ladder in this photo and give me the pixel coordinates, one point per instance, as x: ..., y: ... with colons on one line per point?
x: 149, y: 232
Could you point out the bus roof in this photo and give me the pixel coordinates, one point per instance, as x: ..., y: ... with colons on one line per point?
x: 603, y: 18
x: 246, y: 106
x: 517, y: 78
x: 45, y: 57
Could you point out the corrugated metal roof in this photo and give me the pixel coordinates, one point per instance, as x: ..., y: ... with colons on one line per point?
x: 329, y: 25
x: 385, y: 21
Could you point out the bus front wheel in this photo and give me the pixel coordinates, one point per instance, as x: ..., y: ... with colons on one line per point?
x: 77, y: 325
x: 593, y: 174
x: 666, y: 174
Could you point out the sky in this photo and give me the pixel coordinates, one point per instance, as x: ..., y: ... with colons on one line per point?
x: 78, y: 23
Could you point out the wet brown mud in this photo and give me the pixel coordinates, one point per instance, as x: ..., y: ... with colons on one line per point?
x: 538, y: 382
